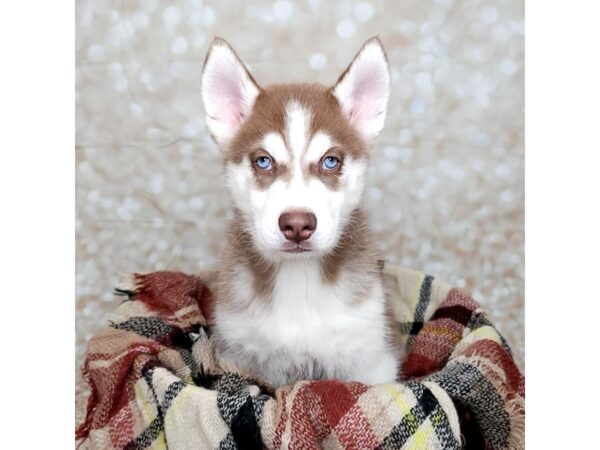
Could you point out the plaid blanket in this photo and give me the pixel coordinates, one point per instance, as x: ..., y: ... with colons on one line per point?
x: 155, y: 383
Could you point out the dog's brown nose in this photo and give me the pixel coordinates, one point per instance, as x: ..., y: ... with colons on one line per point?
x: 297, y: 226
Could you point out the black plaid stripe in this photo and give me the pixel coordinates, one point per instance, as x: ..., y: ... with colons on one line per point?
x: 156, y: 329
x: 244, y: 427
x: 436, y: 415
x: 480, y: 320
x: 228, y: 443
x: 413, y: 328
x: 148, y: 327
x: 151, y: 432
x: 427, y: 407
x: 172, y: 391
x: 465, y: 384
x: 240, y: 410
x: 230, y: 383
x: 424, y: 297
x: 189, y: 361
x: 442, y: 428
x: 231, y: 404
x: 148, y: 436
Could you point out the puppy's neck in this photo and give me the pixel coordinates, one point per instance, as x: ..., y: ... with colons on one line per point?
x: 353, y: 253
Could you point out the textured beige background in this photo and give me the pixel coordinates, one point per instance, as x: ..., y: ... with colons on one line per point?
x: 445, y: 191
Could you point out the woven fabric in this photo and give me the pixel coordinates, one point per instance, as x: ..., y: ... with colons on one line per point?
x: 155, y: 383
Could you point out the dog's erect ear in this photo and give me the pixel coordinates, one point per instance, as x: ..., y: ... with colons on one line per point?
x: 228, y: 91
x: 363, y: 89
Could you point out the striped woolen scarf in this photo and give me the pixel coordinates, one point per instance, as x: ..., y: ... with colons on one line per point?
x: 155, y: 384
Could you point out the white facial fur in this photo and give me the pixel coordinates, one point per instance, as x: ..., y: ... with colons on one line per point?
x: 299, y: 191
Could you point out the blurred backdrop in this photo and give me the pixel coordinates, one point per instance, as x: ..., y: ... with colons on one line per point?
x: 446, y: 184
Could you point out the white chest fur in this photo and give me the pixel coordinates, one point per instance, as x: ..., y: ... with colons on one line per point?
x: 309, y: 329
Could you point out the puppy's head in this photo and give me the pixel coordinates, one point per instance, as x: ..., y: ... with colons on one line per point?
x: 295, y: 155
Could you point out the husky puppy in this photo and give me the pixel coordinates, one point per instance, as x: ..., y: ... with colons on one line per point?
x: 299, y: 294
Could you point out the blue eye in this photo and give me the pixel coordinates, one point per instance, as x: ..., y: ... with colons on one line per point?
x: 263, y: 162
x: 330, y: 163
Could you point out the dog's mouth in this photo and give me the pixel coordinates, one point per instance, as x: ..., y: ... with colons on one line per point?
x: 295, y: 248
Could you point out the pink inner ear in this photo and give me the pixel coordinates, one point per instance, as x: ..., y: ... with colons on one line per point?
x: 228, y: 97
x: 368, y: 90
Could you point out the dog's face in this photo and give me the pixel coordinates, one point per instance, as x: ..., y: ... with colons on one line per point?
x: 295, y: 155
